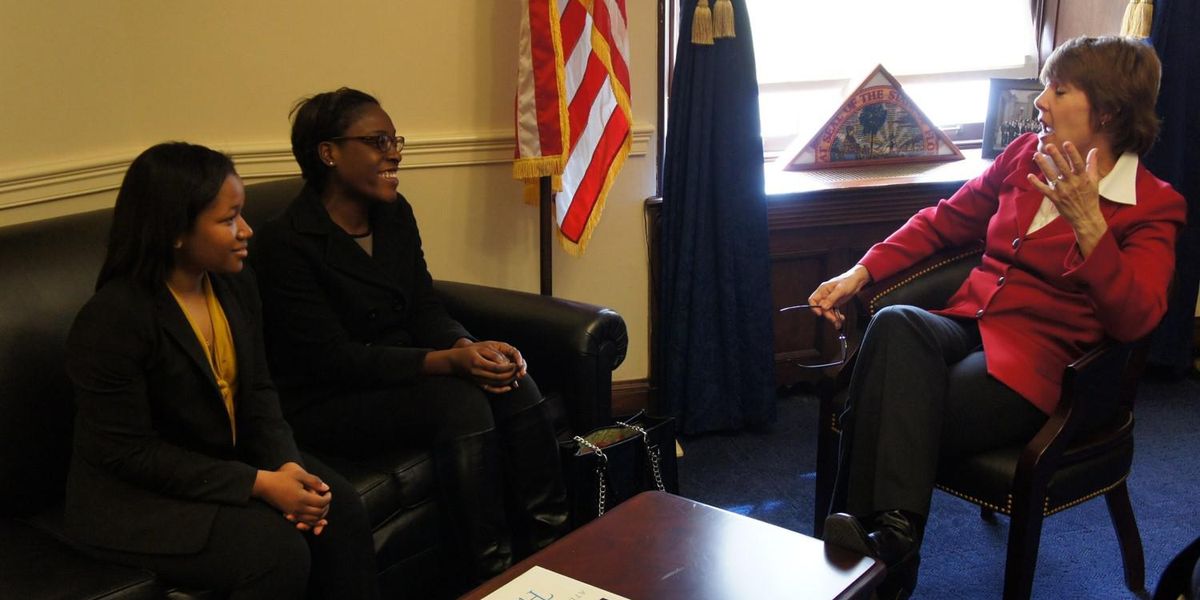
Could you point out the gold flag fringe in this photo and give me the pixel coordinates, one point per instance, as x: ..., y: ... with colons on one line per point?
x: 702, y: 24
x: 538, y: 166
x: 1139, y: 16
x: 723, y: 19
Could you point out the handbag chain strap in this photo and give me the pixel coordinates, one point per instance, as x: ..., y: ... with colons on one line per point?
x: 654, y: 453
x: 601, y: 467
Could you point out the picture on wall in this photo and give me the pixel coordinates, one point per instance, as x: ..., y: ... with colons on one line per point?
x: 1010, y: 113
x: 876, y: 124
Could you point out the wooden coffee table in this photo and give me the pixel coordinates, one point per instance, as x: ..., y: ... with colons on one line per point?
x: 657, y: 546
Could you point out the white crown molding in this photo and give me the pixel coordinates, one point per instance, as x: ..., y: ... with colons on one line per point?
x: 53, y: 183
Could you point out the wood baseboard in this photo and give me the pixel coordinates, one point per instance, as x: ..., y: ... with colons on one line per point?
x: 630, y: 396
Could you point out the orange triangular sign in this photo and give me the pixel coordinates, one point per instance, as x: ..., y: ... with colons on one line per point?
x: 878, y: 124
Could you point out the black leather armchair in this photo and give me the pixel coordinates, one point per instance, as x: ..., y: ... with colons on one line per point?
x: 48, y: 271
x: 1084, y: 450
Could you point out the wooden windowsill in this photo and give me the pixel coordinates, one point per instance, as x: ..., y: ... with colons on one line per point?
x: 789, y: 183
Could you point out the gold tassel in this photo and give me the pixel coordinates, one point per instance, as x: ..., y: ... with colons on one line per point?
x: 723, y: 19
x: 1139, y: 16
x: 702, y: 24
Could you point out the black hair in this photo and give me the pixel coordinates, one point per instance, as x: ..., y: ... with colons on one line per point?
x: 318, y: 118
x: 164, y: 190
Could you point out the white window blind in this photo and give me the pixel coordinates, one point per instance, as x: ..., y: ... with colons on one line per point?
x: 811, y: 53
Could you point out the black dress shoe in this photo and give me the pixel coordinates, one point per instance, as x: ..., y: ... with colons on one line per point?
x: 846, y: 531
x: 895, y: 541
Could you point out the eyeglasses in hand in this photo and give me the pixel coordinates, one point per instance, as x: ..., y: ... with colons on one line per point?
x: 382, y: 142
x: 841, y: 342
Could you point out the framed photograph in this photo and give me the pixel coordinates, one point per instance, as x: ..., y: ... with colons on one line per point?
x: 1010, y: 113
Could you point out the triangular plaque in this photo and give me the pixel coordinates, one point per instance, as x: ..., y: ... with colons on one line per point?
x: 878, y: 124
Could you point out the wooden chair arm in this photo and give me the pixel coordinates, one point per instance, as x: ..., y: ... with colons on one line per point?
x: 1099, y: 385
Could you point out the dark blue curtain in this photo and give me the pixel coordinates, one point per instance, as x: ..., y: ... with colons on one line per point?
x: 1176, y: 159
x: 715, y: 333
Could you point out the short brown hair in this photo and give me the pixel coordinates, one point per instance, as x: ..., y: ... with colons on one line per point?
x: 1120, y: 77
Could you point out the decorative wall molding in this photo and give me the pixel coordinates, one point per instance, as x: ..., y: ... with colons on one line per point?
x: 52, y: 183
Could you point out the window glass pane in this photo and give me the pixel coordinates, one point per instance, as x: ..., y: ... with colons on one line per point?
x: 810, y: 54
x: 953, y: 102
x: 808, y: 40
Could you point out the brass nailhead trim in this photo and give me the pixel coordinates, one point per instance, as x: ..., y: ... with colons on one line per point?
x: 918, y: 275
x: 1047, y: 510
x: 1006, y: 509
x: 1088, y: 497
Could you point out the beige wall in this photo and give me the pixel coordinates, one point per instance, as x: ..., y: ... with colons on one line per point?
x: 84, y: 86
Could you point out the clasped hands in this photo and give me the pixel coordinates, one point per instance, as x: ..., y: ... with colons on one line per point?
x: 301, y: 496
x: 496, y: 367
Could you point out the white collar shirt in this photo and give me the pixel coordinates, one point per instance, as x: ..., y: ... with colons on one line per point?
x: 1120, y: 186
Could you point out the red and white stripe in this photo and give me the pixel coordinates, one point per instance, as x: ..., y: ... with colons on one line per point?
x: 573, y: 93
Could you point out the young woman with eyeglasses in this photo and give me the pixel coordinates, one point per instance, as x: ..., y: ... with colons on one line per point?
x: 367, y: 358
x: 182, y: 461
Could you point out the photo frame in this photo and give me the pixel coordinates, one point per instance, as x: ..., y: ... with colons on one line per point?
x: 1011, y: 112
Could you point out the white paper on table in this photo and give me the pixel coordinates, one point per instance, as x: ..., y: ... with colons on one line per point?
x: 540, y: 583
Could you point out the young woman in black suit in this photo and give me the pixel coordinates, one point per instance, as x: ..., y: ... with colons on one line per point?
x: 367, y: 358
x: 182, y: 461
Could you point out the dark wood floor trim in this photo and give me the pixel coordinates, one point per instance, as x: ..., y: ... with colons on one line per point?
x: 630, y: 396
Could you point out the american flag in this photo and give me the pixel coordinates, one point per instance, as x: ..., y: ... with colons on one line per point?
x: 573, y: 116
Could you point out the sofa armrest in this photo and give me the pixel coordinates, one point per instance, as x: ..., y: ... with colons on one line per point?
x: 572, y: 347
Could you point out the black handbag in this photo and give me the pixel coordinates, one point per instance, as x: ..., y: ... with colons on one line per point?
x: 611, y: 464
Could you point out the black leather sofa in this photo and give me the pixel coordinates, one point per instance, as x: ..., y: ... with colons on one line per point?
x: 47, y: 271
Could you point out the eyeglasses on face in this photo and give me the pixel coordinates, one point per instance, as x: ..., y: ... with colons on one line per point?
x: 382, y: 141
x: 841, y: 360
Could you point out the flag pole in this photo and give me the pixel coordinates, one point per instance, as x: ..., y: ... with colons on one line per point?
x: 546, y: 201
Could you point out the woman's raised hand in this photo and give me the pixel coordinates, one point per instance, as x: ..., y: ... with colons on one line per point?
x: 1073, y: 185
x: 301, y: 496
x: 831, y: 295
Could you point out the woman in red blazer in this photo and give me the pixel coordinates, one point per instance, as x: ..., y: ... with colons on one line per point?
x: 1079, y: 246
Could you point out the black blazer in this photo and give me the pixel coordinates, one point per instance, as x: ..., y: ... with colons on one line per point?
x: 338, y: 319
x: 153, y: 452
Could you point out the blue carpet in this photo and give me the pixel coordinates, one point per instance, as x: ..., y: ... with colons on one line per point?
x: 769, y: 476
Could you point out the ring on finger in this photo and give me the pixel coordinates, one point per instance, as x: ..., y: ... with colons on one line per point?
x: 1052, y: 183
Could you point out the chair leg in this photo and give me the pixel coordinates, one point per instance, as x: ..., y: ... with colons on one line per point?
x: 1024, y: 537
x: 1121, y: 512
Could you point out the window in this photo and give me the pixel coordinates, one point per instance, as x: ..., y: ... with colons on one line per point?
x: 811, y: 53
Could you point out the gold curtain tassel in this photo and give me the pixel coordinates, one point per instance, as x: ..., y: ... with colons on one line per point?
x: 1139, y: 16
x: 702, y: 24
x: 723, y: 19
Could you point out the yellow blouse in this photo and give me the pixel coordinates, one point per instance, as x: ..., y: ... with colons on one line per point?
x: 222, y: 357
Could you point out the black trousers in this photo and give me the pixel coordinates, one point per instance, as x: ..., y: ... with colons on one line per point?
x: 920, y: 390
x: 253, y: 552
x: 492, y: 453
x: 433, y: 411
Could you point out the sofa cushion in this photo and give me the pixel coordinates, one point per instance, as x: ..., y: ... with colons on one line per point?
x: 397, y: 486
x: 49, y: 270
x: 36, y: 565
